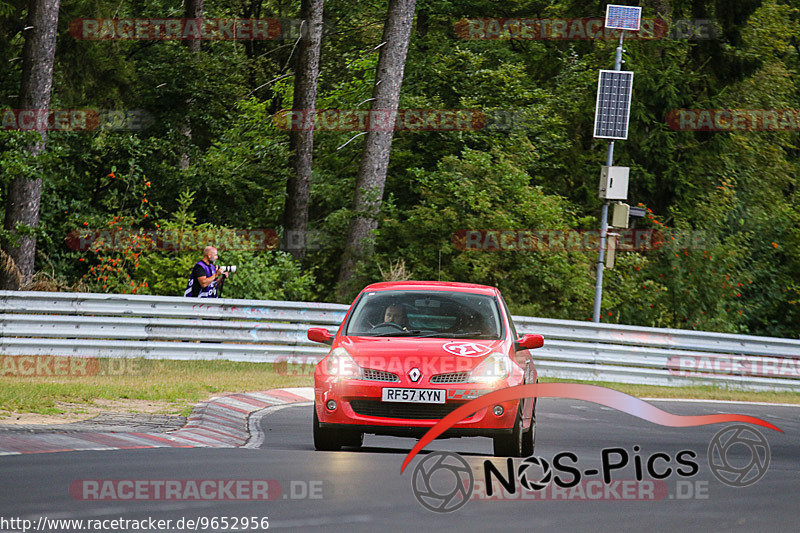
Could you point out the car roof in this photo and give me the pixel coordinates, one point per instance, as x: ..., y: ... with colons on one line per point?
x: 433, y: 285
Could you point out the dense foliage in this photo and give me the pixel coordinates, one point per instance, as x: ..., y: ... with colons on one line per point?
x: 730, y: 197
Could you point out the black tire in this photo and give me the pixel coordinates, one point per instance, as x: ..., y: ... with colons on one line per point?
x: 511, y: 445
x: 529, y: 438
x: 353, y: 439
x: 325, y: 439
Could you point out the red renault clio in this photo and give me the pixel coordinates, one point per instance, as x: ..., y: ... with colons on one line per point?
x: 410, y: 352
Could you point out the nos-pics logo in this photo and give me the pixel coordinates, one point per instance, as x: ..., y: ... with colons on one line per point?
x: 443, y: 482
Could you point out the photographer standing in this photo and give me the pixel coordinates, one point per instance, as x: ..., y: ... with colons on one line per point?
x: 205, y: 281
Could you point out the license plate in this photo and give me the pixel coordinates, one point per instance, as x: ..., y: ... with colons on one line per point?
x: 413, y: 395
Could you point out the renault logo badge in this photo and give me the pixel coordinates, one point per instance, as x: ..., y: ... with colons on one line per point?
x: 414, y: 374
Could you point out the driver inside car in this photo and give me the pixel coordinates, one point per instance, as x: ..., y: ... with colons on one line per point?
x: 396, y: 314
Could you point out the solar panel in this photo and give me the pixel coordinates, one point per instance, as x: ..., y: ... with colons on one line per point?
x: 623, y: 17
x: 613, y: 106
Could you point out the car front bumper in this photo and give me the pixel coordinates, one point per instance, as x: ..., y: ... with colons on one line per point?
x: 359, y: 407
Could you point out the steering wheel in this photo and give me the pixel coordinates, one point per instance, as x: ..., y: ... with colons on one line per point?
x: 398, y: 326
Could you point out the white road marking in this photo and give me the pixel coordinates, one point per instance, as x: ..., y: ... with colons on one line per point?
x: 741, y: 402
x: 305, y: 392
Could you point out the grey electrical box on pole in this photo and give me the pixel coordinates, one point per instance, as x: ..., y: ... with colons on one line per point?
x: 611, y: 256
x: 614, y: 183
x: 619, y: 216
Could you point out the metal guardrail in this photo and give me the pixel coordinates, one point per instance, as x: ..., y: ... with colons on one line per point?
x: 159, y: 327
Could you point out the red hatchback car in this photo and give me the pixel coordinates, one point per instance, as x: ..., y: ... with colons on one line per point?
x: 408, y: 353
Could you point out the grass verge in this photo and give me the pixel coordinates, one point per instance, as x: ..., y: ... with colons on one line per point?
x: 179, y: 383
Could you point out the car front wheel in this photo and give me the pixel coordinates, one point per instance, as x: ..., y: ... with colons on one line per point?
x: 331, y: 440
x: 517, y: 443
x: 529, y: 439
x: 325, y: 439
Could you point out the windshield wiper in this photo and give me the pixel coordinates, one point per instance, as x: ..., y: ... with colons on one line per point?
x: 475, y: 334
x: 406, y: 333
x: 461, y: 335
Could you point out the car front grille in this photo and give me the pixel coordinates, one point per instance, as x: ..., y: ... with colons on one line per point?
x: 414, y: 411
x: 452, y: 377
x: 379, y: 375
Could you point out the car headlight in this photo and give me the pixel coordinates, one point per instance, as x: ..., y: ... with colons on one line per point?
x: 495, y: 367
x: 340, y: 364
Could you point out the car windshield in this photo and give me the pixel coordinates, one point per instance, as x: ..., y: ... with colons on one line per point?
x: 402, y: 313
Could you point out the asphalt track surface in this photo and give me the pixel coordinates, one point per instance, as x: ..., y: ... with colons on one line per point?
x: 364, y: 491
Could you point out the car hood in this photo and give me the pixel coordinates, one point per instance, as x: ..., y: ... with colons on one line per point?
x: 431, y: 356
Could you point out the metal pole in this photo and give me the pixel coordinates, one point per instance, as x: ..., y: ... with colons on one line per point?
x: 601, y: 253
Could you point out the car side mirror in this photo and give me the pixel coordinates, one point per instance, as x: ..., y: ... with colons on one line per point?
x: 528, y: 342
x: 321, y: 335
